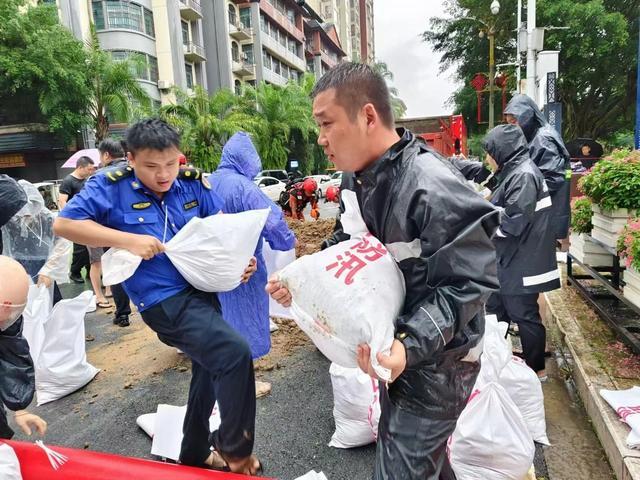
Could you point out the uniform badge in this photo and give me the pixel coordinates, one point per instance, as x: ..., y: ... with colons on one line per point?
x: 205, y: 183
x: 190, y: 205
x: 141, y: 205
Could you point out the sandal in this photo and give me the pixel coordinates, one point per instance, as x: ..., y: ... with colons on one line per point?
x: 104, y: 304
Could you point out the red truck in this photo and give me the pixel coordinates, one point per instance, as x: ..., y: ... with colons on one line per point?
x: 446, y: 134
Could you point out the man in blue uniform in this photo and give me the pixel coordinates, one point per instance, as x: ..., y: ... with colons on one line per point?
x: 139, y: 207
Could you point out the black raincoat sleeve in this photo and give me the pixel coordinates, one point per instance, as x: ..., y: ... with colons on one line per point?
x: 546, y: 155
x: 17, y: 377
x: 474, y: 171
x: 520, y: 200
x: 457, y: 263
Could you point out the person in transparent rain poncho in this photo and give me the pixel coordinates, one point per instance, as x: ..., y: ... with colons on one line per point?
x: 28, y: 238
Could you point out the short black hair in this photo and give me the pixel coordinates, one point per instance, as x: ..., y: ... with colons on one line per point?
x: 153, y: 133
x: 84, y: 162
x: 112, y: 147
x: 357, y: 84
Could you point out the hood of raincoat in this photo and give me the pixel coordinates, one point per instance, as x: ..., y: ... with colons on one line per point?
x: 35, y: 202
x: 240, y: 155
x: 506, y: 144
x: 529, y: 116
x: 12, y: 198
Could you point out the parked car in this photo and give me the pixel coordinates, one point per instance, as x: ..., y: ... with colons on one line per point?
x: 278, y: 174
x: 320, y: 180
x: 271, y: 186
x: 334, y: 181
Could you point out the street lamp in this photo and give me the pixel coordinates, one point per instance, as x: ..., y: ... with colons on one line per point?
x: 495, y: 9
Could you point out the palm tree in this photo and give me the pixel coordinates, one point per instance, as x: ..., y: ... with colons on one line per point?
x: 206, y: 123
x: 280, y: 113
x: 397, y: 105
x: 114, y: 88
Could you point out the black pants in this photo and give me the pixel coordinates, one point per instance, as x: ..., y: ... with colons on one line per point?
x: 79, y: 260
x: 121, y: 299
x: 222, y: 370
x: 523, y: 310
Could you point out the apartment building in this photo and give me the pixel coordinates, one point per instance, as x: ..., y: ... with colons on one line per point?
x: 367, y: 40
x: 322, y: 47
x: 337, y: 12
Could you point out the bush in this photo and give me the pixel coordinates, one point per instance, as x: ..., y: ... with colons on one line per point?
x: 629, y: 244
x: 614, y: 182
x: 581, y: 215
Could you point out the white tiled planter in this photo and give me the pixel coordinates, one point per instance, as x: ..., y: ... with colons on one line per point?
x: 607, y: 225
x: 631, y: 289
x: 588, y: 252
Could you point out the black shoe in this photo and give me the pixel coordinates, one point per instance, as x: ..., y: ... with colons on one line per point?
x: 76, y: 278
x: 122, y: 321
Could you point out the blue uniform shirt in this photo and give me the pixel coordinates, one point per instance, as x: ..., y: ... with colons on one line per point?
x: 116, y: 199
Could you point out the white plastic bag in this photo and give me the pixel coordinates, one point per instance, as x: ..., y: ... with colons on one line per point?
x: 9, y: 463
x: 61, y: 366
x: 313, y: 475
x: 212, y: 253
x: 274, y: 261
x: 626, y: 403
x: 496, y: 352
x: 524, y: 388
x: 491, y: 440
x: 356, y: 407
x: 347, y: 295
x: 165, y: 427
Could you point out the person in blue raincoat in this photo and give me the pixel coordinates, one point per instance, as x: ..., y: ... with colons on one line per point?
x: 246, y: 308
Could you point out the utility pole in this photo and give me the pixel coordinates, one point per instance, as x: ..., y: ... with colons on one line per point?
x: 531, y: 52
x: 492, y: 74
x: 638, y: 101
x: 519, y: 25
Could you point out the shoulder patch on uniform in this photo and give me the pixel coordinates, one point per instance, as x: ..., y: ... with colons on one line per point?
x: 141, y: 205
x: 117, y: 174
x: 190, y: 174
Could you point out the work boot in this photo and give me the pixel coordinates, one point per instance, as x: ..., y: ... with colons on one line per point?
x: 76, y: 278
x: 122, y: 321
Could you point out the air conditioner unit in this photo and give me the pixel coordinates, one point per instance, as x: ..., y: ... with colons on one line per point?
x: 240, y: 26
x: 164, y: 85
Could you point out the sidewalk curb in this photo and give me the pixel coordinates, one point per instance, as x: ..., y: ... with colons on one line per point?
x: 611, y: 432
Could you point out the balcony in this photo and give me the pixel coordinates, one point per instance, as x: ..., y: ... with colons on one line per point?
x: 239, y: 32
x: 194, y: 52
x: 283, y: 53
x: 190, y: 10
x: 273, y: 77
x: 244, y: 69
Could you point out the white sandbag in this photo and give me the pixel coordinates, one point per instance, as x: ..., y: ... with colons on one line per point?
x: 35, y: 315
x: 625, y: 403
x: 9, y: 463
x: 347, y: 295
x: 274, y: 261
x: 212, y: 253
x: 62, y: 366
x: 356, y: 407
x: 165, y: 427
x: 496, y: 352
x: 524, y: 388
x: 491, y: 440
x: 118, y: 265
x: 313, y: 475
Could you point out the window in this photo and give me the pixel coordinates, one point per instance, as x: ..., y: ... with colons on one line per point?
x: 98, y: 15
x: 233, y: 17
x: 245, y: 17
x: 266, y: 59
x: 247, y: 50
x: 122, y: 14
x: 235, y: 52
x: 291, y: 15
x: 185, y: 33
x: 238, y: 87
x: 153, y: 68
x: 143, y: 66
x: 264, y: 24
x: 148, y: 23
x: 189, y: 69
x: 293, y: 47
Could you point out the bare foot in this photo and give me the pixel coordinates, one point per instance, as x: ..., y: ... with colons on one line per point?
x: 215, y: 460
x: 246, y: 466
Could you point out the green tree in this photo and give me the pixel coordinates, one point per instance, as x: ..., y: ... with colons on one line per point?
x: 114, y: 89
x: 597, y: 56
x: 206, y: 123
x: 397, y: 105
x: 42, y: 69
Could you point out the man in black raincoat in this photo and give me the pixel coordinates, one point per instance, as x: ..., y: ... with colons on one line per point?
x: 548, y: 152
x: 439, y: 231
x: 525, y: 241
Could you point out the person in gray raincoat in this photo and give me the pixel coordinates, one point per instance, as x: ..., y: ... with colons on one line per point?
x: 548, y: 152
x: 525, y: 241
x: 439, y: 231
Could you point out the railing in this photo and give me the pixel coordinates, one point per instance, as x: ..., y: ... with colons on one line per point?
x: 192, y: 48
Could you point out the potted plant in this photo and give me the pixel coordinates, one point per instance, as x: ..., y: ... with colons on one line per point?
x: 629, y: 248
x: 582, y: 247
x: 613, y: 185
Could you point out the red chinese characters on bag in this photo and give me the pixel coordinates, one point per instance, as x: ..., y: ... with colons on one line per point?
x: 351, y: 262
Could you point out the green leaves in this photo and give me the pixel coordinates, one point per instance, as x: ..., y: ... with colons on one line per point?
x: 615, y: 181
x: 581, y: 215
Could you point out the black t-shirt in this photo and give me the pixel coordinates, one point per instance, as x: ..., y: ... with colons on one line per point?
x: 71, y: 185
